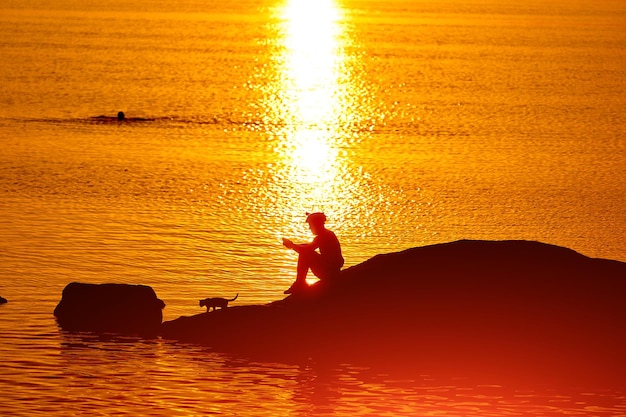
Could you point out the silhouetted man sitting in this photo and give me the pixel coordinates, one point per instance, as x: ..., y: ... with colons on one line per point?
x: 324, y: 264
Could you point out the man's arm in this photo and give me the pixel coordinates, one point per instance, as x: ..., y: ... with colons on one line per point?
x: 300, y: 246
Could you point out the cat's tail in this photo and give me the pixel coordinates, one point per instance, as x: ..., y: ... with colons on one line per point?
x: 234, y: 298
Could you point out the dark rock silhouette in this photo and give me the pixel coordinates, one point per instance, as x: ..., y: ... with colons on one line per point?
x: 117, y: 308
x: 468, y: 307
x: 3, y: 300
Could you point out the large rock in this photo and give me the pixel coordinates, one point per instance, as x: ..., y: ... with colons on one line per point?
x: 480, y: 307
x: 117, y: 308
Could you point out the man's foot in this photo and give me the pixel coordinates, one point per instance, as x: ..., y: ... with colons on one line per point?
x: 296, y: 287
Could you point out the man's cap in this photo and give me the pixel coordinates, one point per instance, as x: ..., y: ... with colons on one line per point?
x: 315, y: 217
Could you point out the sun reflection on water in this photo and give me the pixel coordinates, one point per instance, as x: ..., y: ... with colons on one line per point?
x: 317, y: 112
x: 311, y: 62
x: 307, y: 101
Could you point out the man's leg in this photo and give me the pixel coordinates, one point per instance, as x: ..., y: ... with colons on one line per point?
x: 305, y: 261
x: 323, y: 270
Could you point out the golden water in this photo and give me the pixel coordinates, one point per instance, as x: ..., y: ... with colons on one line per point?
x: 407, y: 122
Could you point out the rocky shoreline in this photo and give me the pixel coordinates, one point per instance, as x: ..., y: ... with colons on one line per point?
x: 477, y: 306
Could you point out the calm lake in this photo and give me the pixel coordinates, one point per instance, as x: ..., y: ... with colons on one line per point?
x: 408, y: 123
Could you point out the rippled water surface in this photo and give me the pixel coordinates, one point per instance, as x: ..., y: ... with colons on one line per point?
x: 407, y: 122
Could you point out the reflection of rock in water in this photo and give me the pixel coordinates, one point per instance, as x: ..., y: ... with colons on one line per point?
x: 479, y: 307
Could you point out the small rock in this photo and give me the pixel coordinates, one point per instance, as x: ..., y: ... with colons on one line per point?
x: 105, y: 308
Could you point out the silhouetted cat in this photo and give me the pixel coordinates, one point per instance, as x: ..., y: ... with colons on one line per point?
x: 216, y: 302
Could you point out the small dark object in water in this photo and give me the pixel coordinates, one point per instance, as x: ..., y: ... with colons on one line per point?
x: 3, y: 300
x: 121, y: 116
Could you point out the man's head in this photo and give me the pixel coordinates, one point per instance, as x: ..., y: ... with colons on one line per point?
x: 316, y: 222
